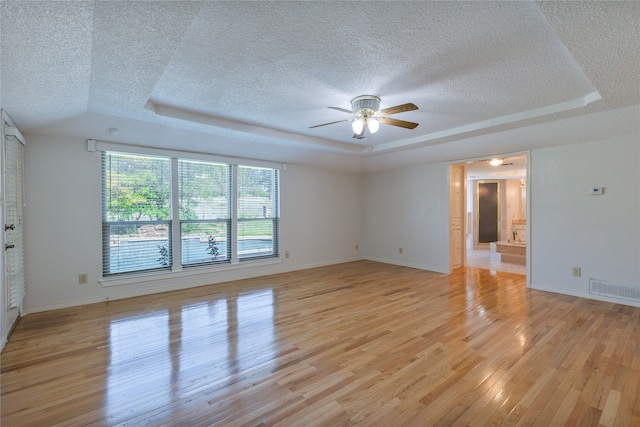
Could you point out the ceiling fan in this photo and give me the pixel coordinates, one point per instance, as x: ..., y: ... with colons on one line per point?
x: 367, y: 115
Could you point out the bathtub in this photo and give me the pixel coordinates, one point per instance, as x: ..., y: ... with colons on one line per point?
x: 506, y: 251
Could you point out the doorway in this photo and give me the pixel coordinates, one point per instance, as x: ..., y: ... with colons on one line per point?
x: 496, y: 214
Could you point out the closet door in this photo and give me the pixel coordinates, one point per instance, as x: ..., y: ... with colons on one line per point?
x: 13, y: 279
x: 13, y: 204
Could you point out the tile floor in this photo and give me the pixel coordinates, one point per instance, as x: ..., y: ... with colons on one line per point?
x: 480, y: 258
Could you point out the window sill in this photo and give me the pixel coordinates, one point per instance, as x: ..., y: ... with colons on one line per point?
x: 191, y: 271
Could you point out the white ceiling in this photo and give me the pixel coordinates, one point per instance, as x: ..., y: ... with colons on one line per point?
x: 248, y: 79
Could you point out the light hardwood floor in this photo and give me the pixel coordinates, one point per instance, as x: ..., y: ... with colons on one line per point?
x: 360, y: 343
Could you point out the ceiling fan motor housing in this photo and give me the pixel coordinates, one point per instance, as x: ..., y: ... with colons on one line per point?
x: 365, y: 105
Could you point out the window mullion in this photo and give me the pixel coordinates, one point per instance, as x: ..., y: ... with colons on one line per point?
x: 234, y: 214
x: 176, y: 232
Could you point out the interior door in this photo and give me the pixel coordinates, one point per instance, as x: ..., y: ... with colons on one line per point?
x: 488, y: 212
x: 456, y: 216
x: 13, y: 201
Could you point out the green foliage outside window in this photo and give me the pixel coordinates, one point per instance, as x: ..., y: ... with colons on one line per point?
x: 138, y: 189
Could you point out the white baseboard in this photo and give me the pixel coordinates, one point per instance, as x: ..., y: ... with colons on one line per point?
x: 583, y: 294
x: 406, y: 264
x: 198, y: 281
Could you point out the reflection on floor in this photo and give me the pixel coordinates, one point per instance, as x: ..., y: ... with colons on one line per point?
x: 482, y: 259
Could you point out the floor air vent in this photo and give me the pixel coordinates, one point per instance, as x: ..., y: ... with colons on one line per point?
x: 600, y: 287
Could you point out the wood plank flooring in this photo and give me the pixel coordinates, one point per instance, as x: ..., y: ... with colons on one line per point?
x: 360, y: 343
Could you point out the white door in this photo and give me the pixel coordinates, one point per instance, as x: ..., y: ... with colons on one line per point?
x: 13, y: 202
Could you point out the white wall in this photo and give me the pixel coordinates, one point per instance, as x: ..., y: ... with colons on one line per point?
x: 325, y: 213
x: 321, y: 213
x: 570, y: 227
x: 408, y: 208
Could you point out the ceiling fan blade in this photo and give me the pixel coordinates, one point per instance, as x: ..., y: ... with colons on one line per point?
x: 330, y: 123
x: 344, y: 110
x: 398, y: 109
x: 400, y: 123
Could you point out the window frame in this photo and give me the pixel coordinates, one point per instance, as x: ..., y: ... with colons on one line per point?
x: 175, y: 223
x: 275, y: 217
x: 107, y: 224
x: 228, y: 221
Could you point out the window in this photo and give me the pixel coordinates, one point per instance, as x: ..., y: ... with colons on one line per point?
x: 257, y: 212
x: 205, y: 212
x: 136, y: 226
x: 225, y: 213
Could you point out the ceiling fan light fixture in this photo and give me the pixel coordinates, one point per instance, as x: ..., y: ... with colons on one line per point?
x: 373, y: 124
x: 496, y: 162
x: 358, y: 125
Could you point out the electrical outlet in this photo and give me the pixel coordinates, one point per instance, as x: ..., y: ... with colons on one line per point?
x: 400, y: 250
x: 83, y: 278
x: 286, y: 254
x: 577, y: 272
x: 356, y: 246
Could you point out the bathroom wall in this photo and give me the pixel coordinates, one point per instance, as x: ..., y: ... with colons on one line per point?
x: 514, y: 209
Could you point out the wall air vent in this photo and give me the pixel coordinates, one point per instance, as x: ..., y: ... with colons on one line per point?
x: 600, y: 287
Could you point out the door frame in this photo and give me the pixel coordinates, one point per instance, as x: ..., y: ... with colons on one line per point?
x: 528, y: 208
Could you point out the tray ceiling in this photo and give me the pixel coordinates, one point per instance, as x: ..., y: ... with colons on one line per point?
x: 250, y: 78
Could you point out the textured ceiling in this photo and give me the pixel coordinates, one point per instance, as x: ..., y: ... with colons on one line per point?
x: 250, y: 78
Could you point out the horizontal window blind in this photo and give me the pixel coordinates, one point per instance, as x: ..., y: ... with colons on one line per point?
x: 205, y: 212
x: 258, y: 212
x: 226, y: 213
x: 136, y: 213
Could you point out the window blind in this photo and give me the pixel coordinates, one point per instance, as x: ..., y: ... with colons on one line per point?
x: 205, y: 212
x: 258, y: 212
x: 136, y: 213
x: 169, y: 213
